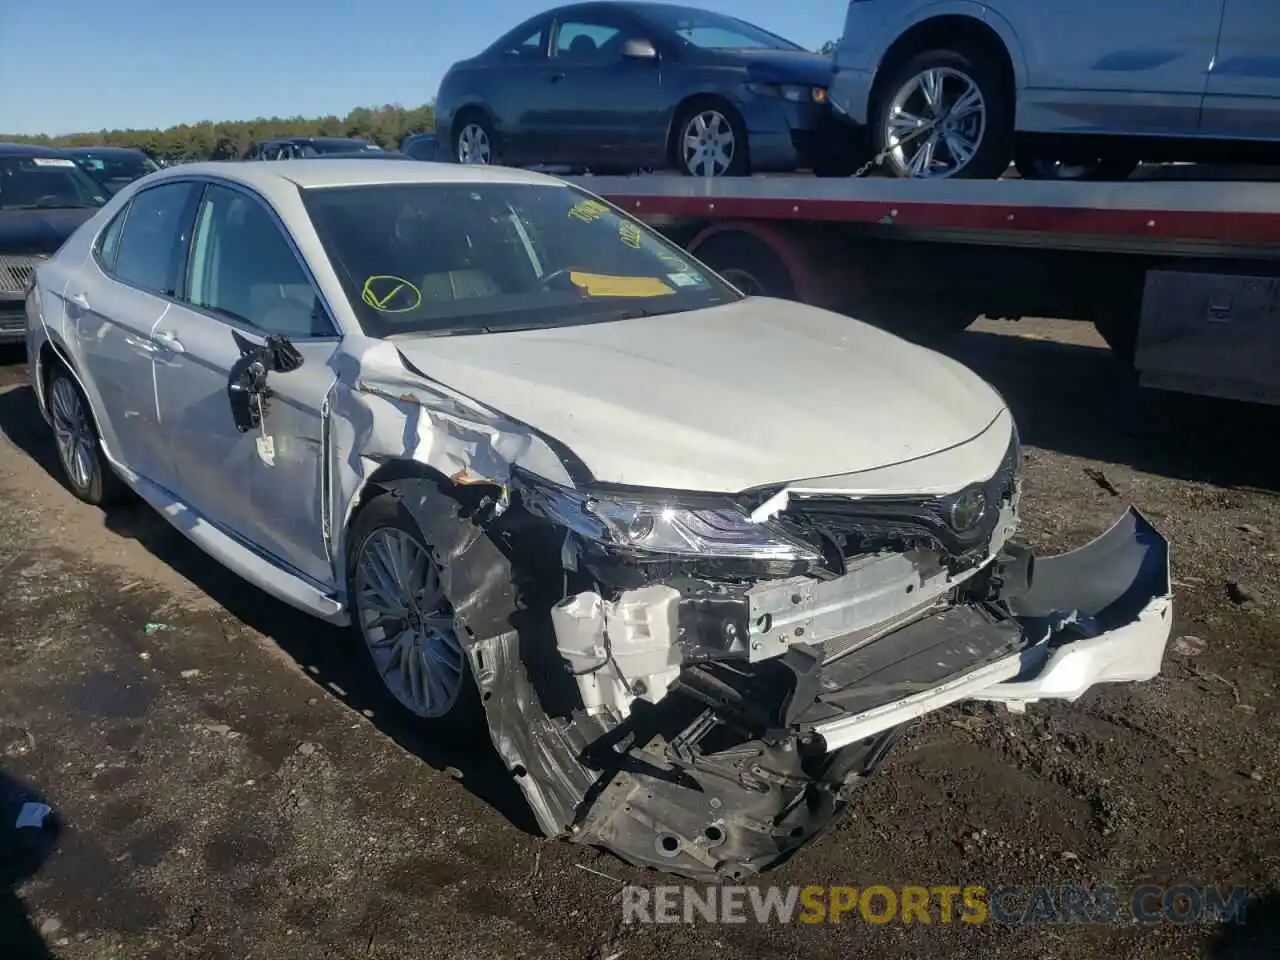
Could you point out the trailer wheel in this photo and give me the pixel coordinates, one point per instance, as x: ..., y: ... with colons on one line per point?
x: 959, y: 99
x: 749, y: 264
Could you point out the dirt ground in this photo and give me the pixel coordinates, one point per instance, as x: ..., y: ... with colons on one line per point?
x: 227, y: 783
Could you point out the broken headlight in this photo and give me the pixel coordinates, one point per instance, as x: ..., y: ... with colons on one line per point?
x: 657, y: 524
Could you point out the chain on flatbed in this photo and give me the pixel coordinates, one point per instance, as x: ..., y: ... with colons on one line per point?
x: 878, y: 159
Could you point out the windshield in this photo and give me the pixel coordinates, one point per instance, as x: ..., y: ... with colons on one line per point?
x: 479, y: 257
x: 116, y: 166
x: 49, y: 182
x: 715, y: 31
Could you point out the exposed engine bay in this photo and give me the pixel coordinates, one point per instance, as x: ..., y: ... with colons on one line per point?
x: 708, y: 714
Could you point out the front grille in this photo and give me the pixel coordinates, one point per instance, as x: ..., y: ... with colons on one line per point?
x: 844, y: 528
x: 15, y: 271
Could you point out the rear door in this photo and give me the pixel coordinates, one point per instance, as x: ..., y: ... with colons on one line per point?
x: 1243, y: 97
x: 114, y: 301
x: 1101, y: 66
x: 245, y: 280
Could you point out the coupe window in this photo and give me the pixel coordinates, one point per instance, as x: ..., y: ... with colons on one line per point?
x: 479, y: 257
x: 46, y: 182
x: 715, y: 31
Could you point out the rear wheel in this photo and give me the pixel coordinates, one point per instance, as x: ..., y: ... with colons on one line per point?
x: 404, y: 619
x: 473, y: 142
x: 84, y: 466
x: 945, y: 113
x: 710, y: 140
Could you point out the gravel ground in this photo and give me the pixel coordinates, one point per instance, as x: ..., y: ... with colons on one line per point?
x: 227, y: 784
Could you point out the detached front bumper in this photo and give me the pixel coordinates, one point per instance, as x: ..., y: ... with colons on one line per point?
x: 718, y: 768
x: 1100, y: 614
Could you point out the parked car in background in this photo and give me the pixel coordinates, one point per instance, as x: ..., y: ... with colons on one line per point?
x: 423, y: 146
x: 112, y: 167
x: 1064, y: 89
x: 362, y: 155
x: 44, y: 197
x: 293, y: 148
x: 613, y: 87
x: 469, y: 414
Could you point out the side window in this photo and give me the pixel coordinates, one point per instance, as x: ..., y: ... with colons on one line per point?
x: 152, y: 242
x: 532, y: 47
x: 109, y: 240
x: 579, y: 40
x: 243, y: 268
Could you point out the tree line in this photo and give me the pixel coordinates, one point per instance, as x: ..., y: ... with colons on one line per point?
x: 225, y: 140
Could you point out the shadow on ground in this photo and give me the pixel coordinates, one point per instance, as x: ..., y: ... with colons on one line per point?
x: 1257, y: 938
x: 330, y: 656
x: 22, y: 853
x: 1081, y: 401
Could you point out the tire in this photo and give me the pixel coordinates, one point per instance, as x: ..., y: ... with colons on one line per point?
x: 85, y: 469
x: 686, y: 126
x: 992, y: 132
x: 1037, y: 166
x: 472, y: 132
x: 385, y: 523
x: 749, y: 264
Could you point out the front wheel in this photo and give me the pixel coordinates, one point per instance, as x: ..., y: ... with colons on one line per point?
x: 404, y: 619
x: 711, y: 141
x: 944, y: 113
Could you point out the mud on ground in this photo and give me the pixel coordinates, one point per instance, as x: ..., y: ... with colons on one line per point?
x: 227, y: 782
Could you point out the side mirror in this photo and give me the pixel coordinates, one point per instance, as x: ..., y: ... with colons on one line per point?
x: 247, y: 380
x: 638, y: 48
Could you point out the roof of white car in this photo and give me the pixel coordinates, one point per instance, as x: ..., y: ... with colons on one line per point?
x: 265, y: 174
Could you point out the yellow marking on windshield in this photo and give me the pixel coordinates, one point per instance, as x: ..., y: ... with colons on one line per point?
x: 629, y: 234
x: 389, y: 294
x: 603, y: 285
x: 588, y: 211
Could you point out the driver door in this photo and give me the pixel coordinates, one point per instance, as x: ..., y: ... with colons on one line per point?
x: 266, y: 485
x: 606, y: 110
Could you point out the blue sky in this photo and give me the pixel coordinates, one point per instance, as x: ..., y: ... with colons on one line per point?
x: 81, y: 66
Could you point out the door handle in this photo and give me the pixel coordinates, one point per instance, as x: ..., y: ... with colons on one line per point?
x: 169, y: 341
x: 80, y: 300
x: 145, y: 346
x: 557, y: 77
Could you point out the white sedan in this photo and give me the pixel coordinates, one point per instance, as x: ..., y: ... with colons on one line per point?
x: 695, y: 558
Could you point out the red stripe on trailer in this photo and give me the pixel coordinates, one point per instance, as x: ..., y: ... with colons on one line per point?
x: 1243, y: 228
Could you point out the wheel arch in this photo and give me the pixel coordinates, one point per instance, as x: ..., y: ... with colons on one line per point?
x: 51, y: 355
x: 465, y: 111
x: 945, y: 26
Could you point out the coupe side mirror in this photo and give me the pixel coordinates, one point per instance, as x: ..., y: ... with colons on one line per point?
x: 638, y: 48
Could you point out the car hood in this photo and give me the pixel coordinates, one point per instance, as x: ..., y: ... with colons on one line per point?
x: 748, y: 394
x: 783, y: 66
x: 39, y: 231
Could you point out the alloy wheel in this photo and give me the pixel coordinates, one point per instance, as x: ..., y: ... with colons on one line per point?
x: 935, y: 123
x: 473, y: 145
x: 406, y: 623
x: 708, y: 144
x: 72, y: 432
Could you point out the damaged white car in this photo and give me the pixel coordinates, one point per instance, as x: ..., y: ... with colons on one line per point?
x: 695, y: 558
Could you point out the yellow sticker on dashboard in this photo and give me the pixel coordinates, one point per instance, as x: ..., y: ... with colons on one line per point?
x: 389, y: 294
x: 588, y: 211
x: 603, y: 285
x: 629, y: 234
